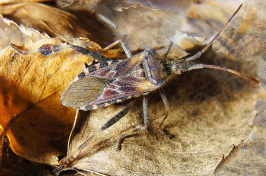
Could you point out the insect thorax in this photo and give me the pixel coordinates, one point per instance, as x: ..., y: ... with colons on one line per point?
x: 154, y: 67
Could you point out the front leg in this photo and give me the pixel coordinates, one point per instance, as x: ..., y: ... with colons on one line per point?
x: 166, y: 103
x: 49, y: 49
x: 167, y: 106
x: 94, y: 54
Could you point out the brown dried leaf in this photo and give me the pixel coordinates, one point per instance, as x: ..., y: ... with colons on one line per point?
x: 246, y: 154
x: 150, y: 28
x: 1, y: 146
x: 31, y: 112
x: 19, y: 1
x: 55, y: 22
x: 209, y: 113
x: 32, y: 116
x: 143, y: 27
x: 119, y: 5
x: 78, y: 4
x: 250, y: 37
x: 201, y: 136
x: 12, y: 33
x: 171, y: 5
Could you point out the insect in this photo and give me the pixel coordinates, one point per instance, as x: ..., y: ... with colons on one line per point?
x: 111, y: 81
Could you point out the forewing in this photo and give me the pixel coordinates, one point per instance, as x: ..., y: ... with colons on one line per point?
x: 83, y: 91
x: 124, y: 88
x: 120, y: 69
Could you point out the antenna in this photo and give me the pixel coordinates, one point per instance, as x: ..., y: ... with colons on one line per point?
x: 187, y: 65
x: 197, y: 55
x: 200, y: 66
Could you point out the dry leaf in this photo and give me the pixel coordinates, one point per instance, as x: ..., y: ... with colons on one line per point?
x: 105, y: 9
x: 78, y: 4
x: 56, y: 22
x: 209, y: 112
x: 119, y: 5
x: 164, y: 26
x: 201, y: 123
x: 19, y: 1
x: 248, y: 153
x: 171, y: 5
x: 31, y: 112
x: 32, y: 116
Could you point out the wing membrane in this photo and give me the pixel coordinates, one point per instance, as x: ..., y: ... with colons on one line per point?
x: 84, y: 91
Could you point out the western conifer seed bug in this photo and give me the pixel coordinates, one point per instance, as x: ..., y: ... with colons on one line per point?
x: 113, y: 81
